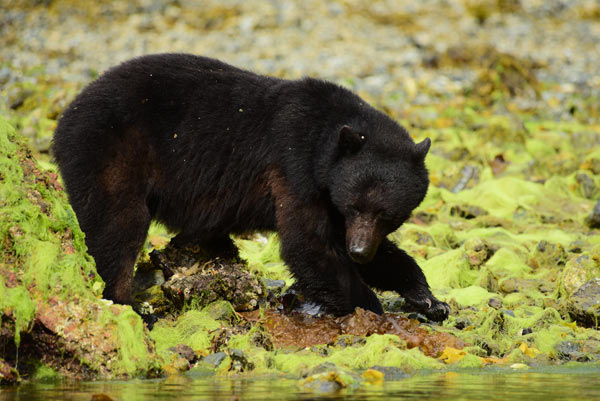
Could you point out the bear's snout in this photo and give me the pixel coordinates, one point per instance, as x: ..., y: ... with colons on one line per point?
x: 362, y: 240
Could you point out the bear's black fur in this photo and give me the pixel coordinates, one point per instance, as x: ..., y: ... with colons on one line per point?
x: 212, y: 150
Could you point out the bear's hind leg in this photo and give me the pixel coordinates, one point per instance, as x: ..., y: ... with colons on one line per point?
x: 115, y: 243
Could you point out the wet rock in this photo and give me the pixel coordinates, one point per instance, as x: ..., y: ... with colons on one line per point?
x: 577, y: 271
x: 587, y: 185
x: 422, y: 218
x: 8, y: 374
x: 221, y: 310
x: 214, y: 360
x: 347, y: 340
x: 508, y: 312
x: 17, y: 96
x: 495, y: 303
x: 146, y: 277
x: 420, y: 237
x: 185, y: 352
x: 525, y: 331
x: 239, y: 362
x: 510, y: 285
x: 215, y: 280
x: 322, y: 368
x: 570, y: 351
x: 467, y: 174
x: 576, y: 246
x: 548, y: 254
x: 584, y: 305
x: 391, y: 372
x: 327, y: 382
x: 274, y: 285
x: 477, y: 251
x: 467, y: 211
x: 504, y: 73
x: 151, y: 301
x: 593, y: 220
x: 462, y: 322
x: 392, y: 303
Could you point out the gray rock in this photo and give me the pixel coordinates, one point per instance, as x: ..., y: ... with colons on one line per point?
x: 584, y: 305
x: 392, y: 304
x: 226, y: 281
x: 495, y: 303
x: 185, y: 351
x: 146, y: 278
x: 273, y: 284
x: 349, y: 340
x: 322, y: 368
x: 570, y: 351
x: 214, y: 360
x: 391, y: 372
x: 593, y: 220
x: 239, y: 362
x: 508, y: 312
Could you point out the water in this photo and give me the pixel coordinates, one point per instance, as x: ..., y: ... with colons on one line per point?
x: 548, y: 384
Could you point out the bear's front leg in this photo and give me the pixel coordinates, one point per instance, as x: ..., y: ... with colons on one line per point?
x: 315, y: 255
x: 393, y: 269
x: 322, y: 277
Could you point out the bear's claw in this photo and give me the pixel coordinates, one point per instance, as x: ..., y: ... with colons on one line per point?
x: 431, y: 307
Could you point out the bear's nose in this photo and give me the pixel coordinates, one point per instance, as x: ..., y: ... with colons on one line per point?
x: 359, y: 254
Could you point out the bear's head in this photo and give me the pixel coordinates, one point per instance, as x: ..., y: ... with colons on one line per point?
x: 378, y: 178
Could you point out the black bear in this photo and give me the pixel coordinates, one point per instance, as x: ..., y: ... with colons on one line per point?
x: 212, y: 150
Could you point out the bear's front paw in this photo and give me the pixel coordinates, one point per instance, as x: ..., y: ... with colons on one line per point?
x: 430, y: 306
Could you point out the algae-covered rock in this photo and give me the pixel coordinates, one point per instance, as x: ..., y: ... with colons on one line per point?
x: 584, y: 305
x: 8, y: 374
x: 578, y: 271
x: 192, y: 276
x: 50, y: 307
x: 593, y: 220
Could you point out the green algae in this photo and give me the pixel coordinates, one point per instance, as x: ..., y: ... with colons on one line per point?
x: 18, y: 303
x: 192, y: 328
x: 472, y: 295
x: 43, y: 261
x: 263, y: 257
x: 385, y: 350
x: 45, y: 374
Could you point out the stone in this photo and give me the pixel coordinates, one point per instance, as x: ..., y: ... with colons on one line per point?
x: 593, y: 220
x: 214, y: 360
x: 391, y: 372
x: 584, y: 305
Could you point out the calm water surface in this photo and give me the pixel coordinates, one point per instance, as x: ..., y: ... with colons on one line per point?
x: 547, y: 384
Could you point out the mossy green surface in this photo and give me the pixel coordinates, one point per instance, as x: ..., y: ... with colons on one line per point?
x: 43, y: 262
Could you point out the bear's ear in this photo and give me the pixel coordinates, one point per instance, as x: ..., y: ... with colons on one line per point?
x: 350, y: 141
x: 422, y: 148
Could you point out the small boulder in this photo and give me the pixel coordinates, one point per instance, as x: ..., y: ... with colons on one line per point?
x: 584, y: 305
